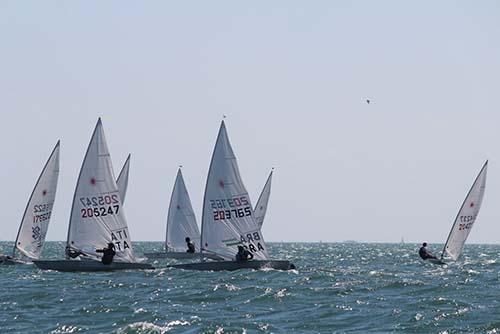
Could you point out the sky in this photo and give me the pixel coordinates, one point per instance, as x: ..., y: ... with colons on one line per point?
x: 292, y: 78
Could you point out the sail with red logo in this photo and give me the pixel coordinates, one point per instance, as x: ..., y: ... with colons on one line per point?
x: 36, y: 218
x: 97, y: 216
x: 228, y: 219
x: 466, y: 217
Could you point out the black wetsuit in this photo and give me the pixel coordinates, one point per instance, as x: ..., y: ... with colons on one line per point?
x: 424, y: 254
x: 107, y: 255
x: 244, y: 256
x: 191, y: 248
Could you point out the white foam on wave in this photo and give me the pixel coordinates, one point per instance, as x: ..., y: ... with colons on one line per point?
x: 145, y: 327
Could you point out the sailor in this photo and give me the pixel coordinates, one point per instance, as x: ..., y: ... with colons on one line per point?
x: 424, y: 253
x: 4, y: 258
x: 243, y: 254
x: 190, y: 245
x: 108, y: 253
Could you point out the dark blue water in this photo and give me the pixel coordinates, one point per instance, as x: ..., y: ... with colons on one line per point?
x: 338, y: 288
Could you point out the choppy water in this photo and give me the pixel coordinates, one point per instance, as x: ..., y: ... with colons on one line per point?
x: 337, y: 288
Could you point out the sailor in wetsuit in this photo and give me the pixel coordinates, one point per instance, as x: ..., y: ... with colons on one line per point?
x: 243, y: 255
x: 190, y: 246
x: 108, y: 253
x: 424, y: 253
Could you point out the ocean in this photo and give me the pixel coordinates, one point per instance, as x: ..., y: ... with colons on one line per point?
x: 337, y: 288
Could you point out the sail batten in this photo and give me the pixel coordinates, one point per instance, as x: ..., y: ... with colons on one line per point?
x: 466, y: 216
x: 181, y: 220
x: 228, y: 219
x: 97, y: 216
x: 35, y: 222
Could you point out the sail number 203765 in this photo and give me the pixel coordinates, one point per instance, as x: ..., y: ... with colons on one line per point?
x: 234, y: 213
x: 230, y: 208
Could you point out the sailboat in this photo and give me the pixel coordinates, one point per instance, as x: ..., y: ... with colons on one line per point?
x: 35, y: 222
x: 465, y: 219
x: 122, y: 180
x: 97, y: 217
x: 181, y: 223
x: 228, y: 219
x: 261, y: 206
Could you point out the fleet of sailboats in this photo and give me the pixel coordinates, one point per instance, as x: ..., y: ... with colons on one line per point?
x: 228, y: 221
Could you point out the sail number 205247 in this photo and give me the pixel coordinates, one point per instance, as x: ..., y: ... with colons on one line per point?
x: 99, y: 206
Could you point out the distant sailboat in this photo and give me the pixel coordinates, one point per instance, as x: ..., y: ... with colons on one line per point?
x: 97, y: 216
x: 465, y: 218
x: 228, y: 219
x: 35, y: 222
x: 181, y: 223
x: 122, y: 180
x: 261, y: 206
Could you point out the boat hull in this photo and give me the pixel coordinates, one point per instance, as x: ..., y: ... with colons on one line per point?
x: 88, y: 265
x: 437, y: 261
x: 180, y: 256
x: 233, y: 265
x: 4, y: 260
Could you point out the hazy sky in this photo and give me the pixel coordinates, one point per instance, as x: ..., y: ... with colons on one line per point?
x: 292, y: 78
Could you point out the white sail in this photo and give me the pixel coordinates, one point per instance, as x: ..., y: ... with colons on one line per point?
x: 97, y: 216
x: 228, y: 219
x: 122, y: 180
x: 181, y: 221
x: 466, y: 216
x: 36, y: 218
x: 261, y: 206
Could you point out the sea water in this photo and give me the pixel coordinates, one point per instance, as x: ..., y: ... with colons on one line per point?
x: 337, y: 288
